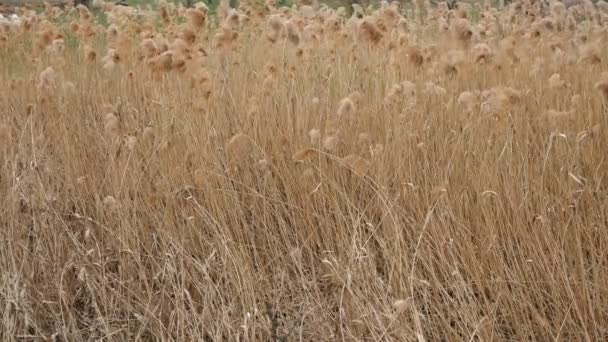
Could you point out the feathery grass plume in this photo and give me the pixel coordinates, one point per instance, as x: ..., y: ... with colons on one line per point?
x: 409, y: 89
x: 602, y: 85
x: 414, y: 55
x: 293, y: 33
x: 331, y: 143
x: 452, y: 62
x: 357, y: 164
x: 394, y: 93
x: 232, y: 20
x: 511, y: 96
x: 148, y: 135
x: 469, y: 100
x: 57, y: 46
x: 498, y: 99
x: 45, y: 37
x: 377, y: 150
x: 111, y: 59
x: 188, y: 36
x: 276, y: 25
x: 109, y: 202
x: 74, y: 27
x: 223, y: 9
x: 556, y: 82
x: 442, y: 25
x: 111, y: 124
x: 433, y: 89
x: 89, y: 54
x: 163, y: 12
x: 391, y: 14
x: 590, y: 54
x: 112, y: 32
x: 304, y: 154
x: 162, y: 62
x: 84, y: 13
x: 87, y: 32
x: 47, y: 79
x: 548, y: 24
x: 198, y: 177
x: 224, y: 38
x: 364, y: 140
x: 462, y: 30
x: 149, y: 48
x: 238, y: 147
x: 558, y: 10
x: 263, y: 165
x: 315, y: 136
x: 309, y: 180
x: 179, y: 46
x: 346, y: 107
x: 369, y: 32
x: 559, y: 57
x: 482, y: 53
x: 507, y: 48
x: 69, y: 88
x: 401, y: 305
x: 269, y: 84
x: 197, y: 18
x: 131, y: 142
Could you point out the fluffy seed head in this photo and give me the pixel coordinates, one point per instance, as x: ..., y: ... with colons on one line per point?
x: 112, y: 124
x: 462, y: 30
x: 468, y: 100
x: 196, y: 18
x: 590, y: 54
x: 46, y: 78
x: 556, y: 82
x: 109, y: 202
x: 346, y: 106
x: 293, y: 33
x: 89, y: 54
x: 482, y: 53
x: 330, y: 143
x: 149, y: 48
x: 357, y: 164
x: 401, y: 305
x: 238, y: 147
x: 131, y: 142
x: 148, y: 135
x: 369, y: 32
x: 199, y: 177
x: 276, y: 23
x: 304, y: 154
x: 315, y: 136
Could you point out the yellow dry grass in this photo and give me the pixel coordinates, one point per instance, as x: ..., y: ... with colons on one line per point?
x: 298, y: 174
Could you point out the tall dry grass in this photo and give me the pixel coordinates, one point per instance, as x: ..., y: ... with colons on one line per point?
x: 297, y: 174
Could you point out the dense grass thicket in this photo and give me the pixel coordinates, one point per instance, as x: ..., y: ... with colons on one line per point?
x: 304, y: 174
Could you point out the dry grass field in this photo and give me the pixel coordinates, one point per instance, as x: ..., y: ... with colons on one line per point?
x: 411, y: 173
